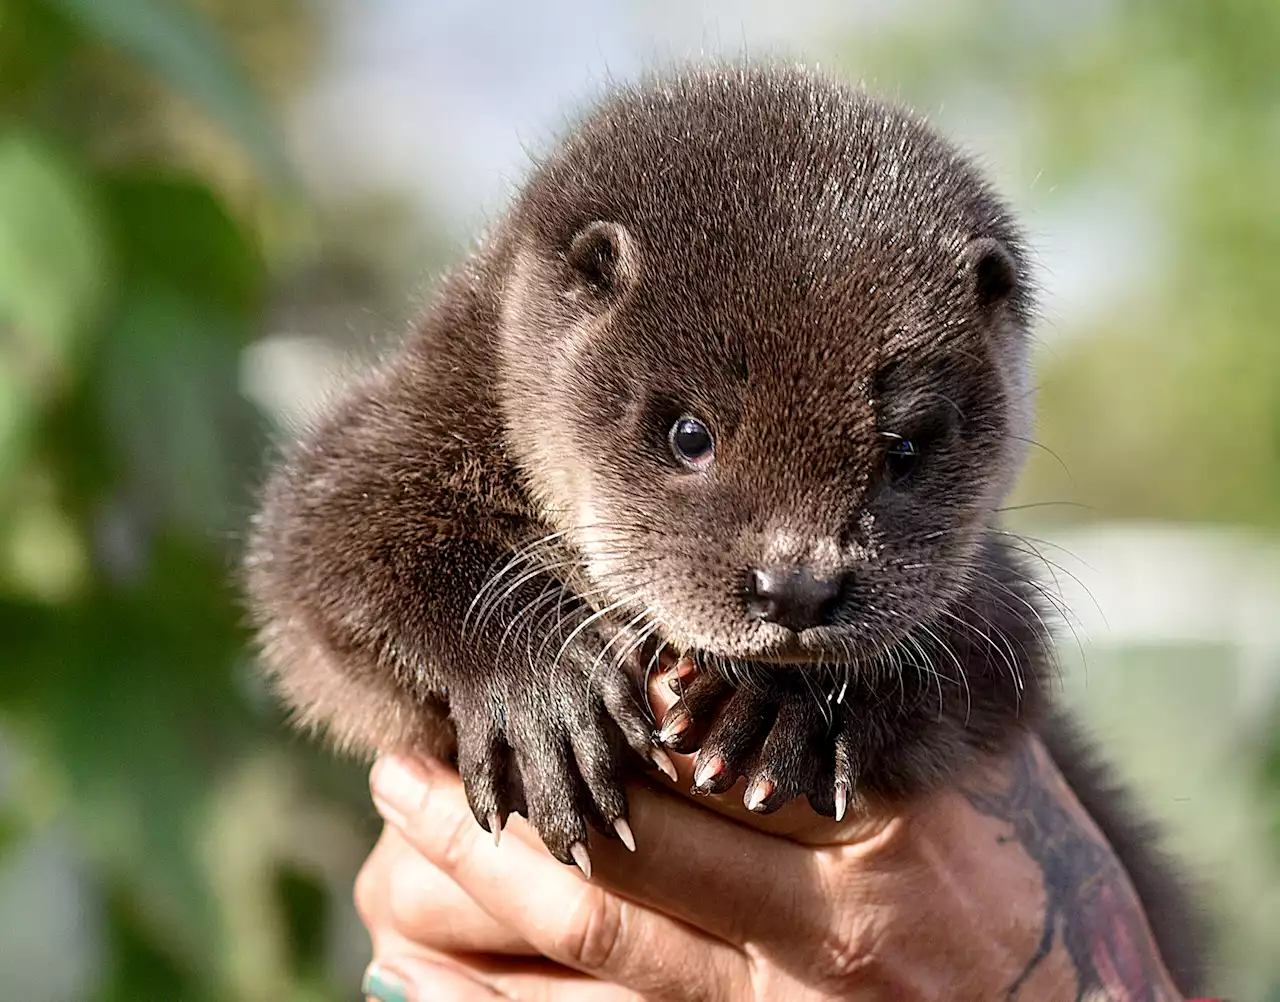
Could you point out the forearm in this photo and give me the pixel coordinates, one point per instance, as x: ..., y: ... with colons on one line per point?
x: 1094, y: 938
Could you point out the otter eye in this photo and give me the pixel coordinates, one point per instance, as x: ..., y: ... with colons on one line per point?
x: 902, y: 459
x: 691, y: 443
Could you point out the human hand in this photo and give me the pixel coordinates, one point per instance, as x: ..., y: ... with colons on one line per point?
x: 935, y: 901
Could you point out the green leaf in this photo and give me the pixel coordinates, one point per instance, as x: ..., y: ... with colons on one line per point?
x: 305, y: 903
x: 169, y: 392
x: 17, y: 421
x: 52, y: 277
x: 137, y: 698
x: 30, y: 631
x: 51, y: 250
x: 183, y: 49
x: 9, y: 832
x: 141, y: 968
x: 33, y: 40
x: 168, y: 365
x: 175, y: 230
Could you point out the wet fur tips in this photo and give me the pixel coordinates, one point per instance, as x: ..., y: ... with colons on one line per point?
x: 742, y: 377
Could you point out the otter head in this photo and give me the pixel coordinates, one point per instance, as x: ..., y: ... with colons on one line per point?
x: 764, y: 348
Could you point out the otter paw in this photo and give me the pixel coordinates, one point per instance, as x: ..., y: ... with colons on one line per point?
x: 783, y: 736
x: 702, y: 695
x: 552, y: 747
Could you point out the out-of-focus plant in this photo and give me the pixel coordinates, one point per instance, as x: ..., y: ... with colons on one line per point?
x: 1175, y: 105
x: 138, y: 173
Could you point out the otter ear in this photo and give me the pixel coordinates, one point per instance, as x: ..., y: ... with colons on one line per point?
x: 991, y: 269
x: 603, y: 258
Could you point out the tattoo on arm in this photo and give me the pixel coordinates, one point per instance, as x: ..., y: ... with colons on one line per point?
x: 1090, y: 906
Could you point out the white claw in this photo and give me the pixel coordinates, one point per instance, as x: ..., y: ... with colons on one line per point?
x: 580, y: 856
x: 842, y: 800
x: 623, y: 829
x: 495, y: 826
x: 663, y: 761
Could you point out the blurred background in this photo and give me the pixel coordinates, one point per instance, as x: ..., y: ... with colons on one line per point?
x: 209, y: 209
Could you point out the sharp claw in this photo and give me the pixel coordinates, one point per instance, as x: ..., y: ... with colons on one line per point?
x: 708, y: 771
x: 623, y: 829
x: 842, y: 800
x: 495, y: 826
x: 580, y: 856
x: 673, y: 727
x: 760, y: 791
x: 663, y: 761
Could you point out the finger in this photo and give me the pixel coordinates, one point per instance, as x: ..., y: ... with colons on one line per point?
x: 735, y: 883
x: 543, y: 981
x: 564, y: 917
x: 796, y: 820
x: 416, y: 977
x: 401, y: 896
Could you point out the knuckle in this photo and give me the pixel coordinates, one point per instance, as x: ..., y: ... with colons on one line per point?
x: 453, y: 841
x: 593, y: 935
x: 392, y: 893
x: 407, y: 908
x: 846, y: 952
x: 368, y: 892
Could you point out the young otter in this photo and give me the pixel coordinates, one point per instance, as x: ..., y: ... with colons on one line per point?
x: 742, y: 376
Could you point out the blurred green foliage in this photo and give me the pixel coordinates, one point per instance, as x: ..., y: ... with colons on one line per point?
x: 129, y: 285
x: 1169, y: 406
x: 148, y: 226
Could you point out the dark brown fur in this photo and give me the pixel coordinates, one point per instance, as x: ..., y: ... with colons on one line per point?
x: 809, y: 272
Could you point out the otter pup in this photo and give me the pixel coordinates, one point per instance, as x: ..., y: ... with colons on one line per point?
x: 741, y: 378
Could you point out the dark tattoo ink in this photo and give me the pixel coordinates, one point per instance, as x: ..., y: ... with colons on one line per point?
x: 1090, y: 905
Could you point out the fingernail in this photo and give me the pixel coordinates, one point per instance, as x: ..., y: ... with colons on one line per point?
x: 663, y: 761
x: 580, y: 856
x: 385, y: 986
x: 759, y: 791
x: 623, y: 829
x: 708, y: 770
x: 398, y: 786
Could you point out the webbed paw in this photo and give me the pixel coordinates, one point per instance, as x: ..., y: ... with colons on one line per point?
x: 552, y: 746
x: 785, y: 736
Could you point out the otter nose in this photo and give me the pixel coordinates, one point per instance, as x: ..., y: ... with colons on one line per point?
x: 791, y: 597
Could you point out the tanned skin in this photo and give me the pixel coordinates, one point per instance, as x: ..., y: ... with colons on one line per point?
x: 933, y: 900
x: 1091, y: 910
x: 742, y: 379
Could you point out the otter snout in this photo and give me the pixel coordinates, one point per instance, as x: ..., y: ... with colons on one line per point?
x: 791, y: 596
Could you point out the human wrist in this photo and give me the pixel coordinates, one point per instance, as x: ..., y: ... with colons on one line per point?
x: 1093, y: 920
